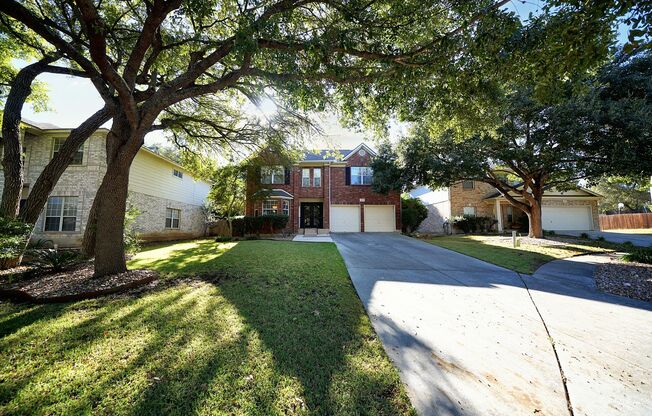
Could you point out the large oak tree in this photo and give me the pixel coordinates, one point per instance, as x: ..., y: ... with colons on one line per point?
x: 151, y: 55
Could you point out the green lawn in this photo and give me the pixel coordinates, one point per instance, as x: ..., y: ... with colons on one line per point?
x: 524, y: 259
x: 284, y: 333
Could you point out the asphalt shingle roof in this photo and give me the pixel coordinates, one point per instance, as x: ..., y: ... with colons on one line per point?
x: 331, y: 155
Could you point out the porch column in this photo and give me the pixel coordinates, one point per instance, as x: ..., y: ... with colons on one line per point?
x: 499, y: 216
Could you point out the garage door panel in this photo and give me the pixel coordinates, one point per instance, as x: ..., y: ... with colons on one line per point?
x: 566, y: 218
x: 345, y: 218
x: 379, y: 218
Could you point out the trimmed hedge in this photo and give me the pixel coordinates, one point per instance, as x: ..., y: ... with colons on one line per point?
x: 262, y: 224
x: 472, y: 224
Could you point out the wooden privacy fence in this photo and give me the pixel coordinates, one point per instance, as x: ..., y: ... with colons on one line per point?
x: 625, y: 221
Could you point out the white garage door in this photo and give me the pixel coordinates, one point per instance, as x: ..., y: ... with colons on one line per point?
x: 345, y: 218
x: 379, y: 218
x: 566, y: 218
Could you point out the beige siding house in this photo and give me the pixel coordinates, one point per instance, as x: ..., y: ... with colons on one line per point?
x: 575, y: 210
x: 166, y: 194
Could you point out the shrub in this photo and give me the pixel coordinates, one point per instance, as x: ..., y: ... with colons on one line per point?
x: 57, y: 260
x: 549, y: 233
x: 639, y: 255
x: 223, y: 239
x: 13, y: 240
x: 413, y: 212
x: 600, y: 238
x: 472, y: 224
x: 265, y: 224
x: 585, y: 236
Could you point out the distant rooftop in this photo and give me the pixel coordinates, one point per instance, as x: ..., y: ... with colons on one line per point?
x: 331, y: 155
x: 42, y: 126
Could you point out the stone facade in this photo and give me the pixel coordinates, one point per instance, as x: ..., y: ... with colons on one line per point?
x: 82, y: 181
x: 150, y: 224
x: 460, y: 198
x: 333, y: 190
x: 452, y: 204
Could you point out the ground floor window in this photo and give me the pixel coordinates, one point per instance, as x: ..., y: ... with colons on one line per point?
x: 61, y: 213
x: 172, y: 218
x: 286, y: 208
x: 270, y: 207
x: 469, y: 210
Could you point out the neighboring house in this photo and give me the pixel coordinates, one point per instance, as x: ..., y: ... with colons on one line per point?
x: 167, y: 195
x: 328, y: 190
x: 561, y: 211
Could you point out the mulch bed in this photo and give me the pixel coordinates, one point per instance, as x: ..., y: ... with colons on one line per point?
x: 633, y: 280
x: 77, y: 283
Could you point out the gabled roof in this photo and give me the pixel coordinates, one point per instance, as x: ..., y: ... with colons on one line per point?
x: 274, y: 193
x: 330, y: 155
x: 358, y: 148
x: 326, y: 155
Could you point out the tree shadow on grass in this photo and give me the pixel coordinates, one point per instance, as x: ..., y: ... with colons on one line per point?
x: 281, y: 343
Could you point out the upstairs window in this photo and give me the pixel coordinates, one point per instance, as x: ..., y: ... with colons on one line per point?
x: 305, y: 177
x: 61, y: 213
x: 78, y: 157
x: 172, y: 217
x: 361, y: 175
x: 468, y: 185
x: 316, y: 177
x: 177, y: 173
x: 272, y: 175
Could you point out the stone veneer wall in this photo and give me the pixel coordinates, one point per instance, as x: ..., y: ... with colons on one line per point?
x: 150, y: 224
x: 438, y: 213
x: 460, y: 198
x: 82, y: 181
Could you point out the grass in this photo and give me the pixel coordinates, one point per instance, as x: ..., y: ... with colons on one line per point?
x: 524, y: 259
x: 284, y: 334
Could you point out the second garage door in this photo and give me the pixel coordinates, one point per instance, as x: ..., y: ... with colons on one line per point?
x: 379, y: 218
x: 566, y: 218
x: 345, y: 218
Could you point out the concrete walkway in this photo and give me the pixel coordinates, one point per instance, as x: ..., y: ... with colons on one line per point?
x: 642, y: 240
x: 468, y: 340
x: 324, y: 238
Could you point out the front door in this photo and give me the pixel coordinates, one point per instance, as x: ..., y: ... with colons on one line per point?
x: 312, y: 214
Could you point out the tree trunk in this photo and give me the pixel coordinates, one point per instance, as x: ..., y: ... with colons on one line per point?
x: 49, y: 177
x: 90, y: 233
x: 534, y: 216
x: 12, y: 160
x: 111, y: 199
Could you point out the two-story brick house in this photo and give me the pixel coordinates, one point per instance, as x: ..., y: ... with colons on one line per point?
x: 167, y: 196
x: 325, y: 191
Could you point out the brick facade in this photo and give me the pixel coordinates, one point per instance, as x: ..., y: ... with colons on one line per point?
x: 333, y: 190
x: 460, y: 198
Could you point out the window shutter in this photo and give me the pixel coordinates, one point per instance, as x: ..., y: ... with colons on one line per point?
x: 288, y: 171
x: 348, y: 176
x: 259, y: 174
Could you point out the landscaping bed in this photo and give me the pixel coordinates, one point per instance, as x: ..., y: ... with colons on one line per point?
x: 76, y: 283
x: 633, y: 280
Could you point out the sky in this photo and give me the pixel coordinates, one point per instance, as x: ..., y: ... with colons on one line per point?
x: 72, y: 100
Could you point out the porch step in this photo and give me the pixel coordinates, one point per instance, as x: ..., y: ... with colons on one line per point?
x: 309, y: 231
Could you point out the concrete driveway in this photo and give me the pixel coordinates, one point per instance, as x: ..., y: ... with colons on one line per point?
x: 467, y: 338
x: 642, y: 240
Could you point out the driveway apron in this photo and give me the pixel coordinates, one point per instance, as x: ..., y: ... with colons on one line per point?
x: 468, y: 340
